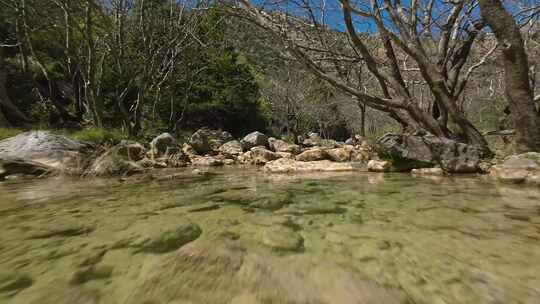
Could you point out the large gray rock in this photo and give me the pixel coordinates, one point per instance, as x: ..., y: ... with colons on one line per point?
x: 254, y: 139
x: 160, y: 145
x: 46, y: 150
x: 17, y: 166
x: 231, y: 148
x: 278, y: 145
x: 206, y: 140
x: 421, y: 151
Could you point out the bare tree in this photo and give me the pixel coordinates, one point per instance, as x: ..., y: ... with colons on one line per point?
x: 519, y: 93
x: 436, y: 45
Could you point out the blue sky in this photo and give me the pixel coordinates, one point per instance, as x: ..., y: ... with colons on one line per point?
x: 334, y: 19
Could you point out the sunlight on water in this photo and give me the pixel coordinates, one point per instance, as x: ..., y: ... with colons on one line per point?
x: 242, y: 236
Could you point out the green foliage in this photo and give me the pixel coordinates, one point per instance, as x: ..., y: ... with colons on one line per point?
x: 218, y: 89
x: 99, y: 135
x: 9, y: 132
x: 225, y: 95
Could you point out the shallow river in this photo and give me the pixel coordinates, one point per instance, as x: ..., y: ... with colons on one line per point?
x: 243, y: 236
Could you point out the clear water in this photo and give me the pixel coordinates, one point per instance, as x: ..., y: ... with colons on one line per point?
x: 442, y: 240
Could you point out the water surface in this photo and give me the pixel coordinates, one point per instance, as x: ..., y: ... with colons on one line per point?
x: 444, y: 240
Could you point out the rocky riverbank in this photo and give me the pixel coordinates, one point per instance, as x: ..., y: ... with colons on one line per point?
x: 42, y: 153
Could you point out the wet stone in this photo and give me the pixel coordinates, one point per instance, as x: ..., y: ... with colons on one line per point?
x: 59, y: 229
x: 271, y: 203
x: 171, y: 234
x: 242, y: 277
x: 11, y: 282
x: 204, y: 207
x: 91, y: 273
x: 313, y: 208
x: 281, y: 238
x: 57, y: 293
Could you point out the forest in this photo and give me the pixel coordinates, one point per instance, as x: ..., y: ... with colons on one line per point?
x: 457, y: 69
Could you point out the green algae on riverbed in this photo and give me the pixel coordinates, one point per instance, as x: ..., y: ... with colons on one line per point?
x: 447, y: 240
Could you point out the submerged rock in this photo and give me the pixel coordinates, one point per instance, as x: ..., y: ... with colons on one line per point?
x: 170, y: 234
x: 281, y: 238
x: 204, y: 207
x: 254, y: 139
x: 271, y: 203
x: 284, y: 165
x: 49, y: 229
x: 223, y: 272
x: 421, y: 151
x: 46, y: 150
x: 57, y: 293
x: 312, y: 208
x: 91, y: 273
x: 12, y: 282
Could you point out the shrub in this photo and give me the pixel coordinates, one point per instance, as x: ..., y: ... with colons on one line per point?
x: 99, y: 135
x: 9, y: 132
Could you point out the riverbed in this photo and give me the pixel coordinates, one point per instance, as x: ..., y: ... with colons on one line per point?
x: 428, y: 240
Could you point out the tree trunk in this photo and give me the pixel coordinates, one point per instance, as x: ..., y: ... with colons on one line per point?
x: 518, y: 89
x: 10, y: 110
x: 362, y: 120
x: 90, y: 86
x: 4, y: 123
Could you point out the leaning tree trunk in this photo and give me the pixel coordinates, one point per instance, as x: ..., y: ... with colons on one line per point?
x: 518, y: 90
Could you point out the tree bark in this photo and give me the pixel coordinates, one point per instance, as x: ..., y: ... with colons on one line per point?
x: 7, y: 108
x: 518, y: 91
x: 90, y: 85
x: 4, y: 123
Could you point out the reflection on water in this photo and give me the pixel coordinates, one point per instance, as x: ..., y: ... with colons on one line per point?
x: 247, y: 237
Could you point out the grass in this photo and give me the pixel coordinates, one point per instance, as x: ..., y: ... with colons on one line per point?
x: 99, y: 135
x: 9, y: 132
